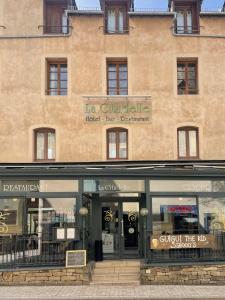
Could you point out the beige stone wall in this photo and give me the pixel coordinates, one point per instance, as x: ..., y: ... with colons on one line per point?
x: 151, y: 51
x: 70, y: 276
x: 185, y: 275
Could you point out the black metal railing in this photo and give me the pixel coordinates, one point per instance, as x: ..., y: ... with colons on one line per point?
x: 33, y: 251
x: 187, y: 30
x: 56, y: 29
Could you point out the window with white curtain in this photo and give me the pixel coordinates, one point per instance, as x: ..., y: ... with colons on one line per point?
x: 117, y: 143
x: 187, y: 19
x: 44, y: 144
x: 188, y: 142
x: 116, y: 19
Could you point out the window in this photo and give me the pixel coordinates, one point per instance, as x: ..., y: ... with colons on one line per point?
x: 117, y: 143
x: 188, y: 142
x: 44, y: 144
x: 57, y: 78
x: 187, y: 77
x: 116, y: 19
x: 56, y: 21
x: 175, y: 215
x: 187, y: 19
x: 117, y: 78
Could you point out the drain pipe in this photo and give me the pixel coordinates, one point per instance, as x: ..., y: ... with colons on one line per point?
x: 36, y: 36
x: 64, y: 35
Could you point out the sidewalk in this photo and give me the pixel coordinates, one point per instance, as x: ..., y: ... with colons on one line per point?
x: 112, y: 292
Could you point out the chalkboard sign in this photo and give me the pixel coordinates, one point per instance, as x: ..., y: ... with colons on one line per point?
x: 75, y: 258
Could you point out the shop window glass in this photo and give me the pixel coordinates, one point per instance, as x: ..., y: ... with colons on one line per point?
x: 44, y: 144
x: 11, y: 216
x: 174, y: 216
x: 40, y: 217
x: 212, y: 215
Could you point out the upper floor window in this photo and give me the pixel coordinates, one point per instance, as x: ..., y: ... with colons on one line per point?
x: 117, y: 143
x: 56, y: 21
x: 57, y: 78
x: 187, y: 77
x: 187, y: 17
x: 188, y: 142
x: 44, y: 144
x: 117, y: 78
x: 116, y: 20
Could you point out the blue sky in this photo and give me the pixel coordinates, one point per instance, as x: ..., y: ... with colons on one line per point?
x: 207, y: 4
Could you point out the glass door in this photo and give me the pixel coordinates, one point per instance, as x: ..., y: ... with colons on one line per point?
x: 120, y: 229
x: 110, y: 229
x: 130, y: 229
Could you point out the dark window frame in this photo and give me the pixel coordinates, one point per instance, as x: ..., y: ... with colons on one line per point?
x: 187, y: 90
x: 45, y: 131
x: 117, y: 131
x: 117, y: 6
x: 185, y: 7
x: 117, y: 63
x: 59, y: 90
x: 186, y: 129
x: 54, y: 29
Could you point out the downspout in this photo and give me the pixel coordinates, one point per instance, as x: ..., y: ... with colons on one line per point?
x: 64, y: 35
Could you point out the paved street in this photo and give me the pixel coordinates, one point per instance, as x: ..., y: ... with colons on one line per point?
x: 113, y: 292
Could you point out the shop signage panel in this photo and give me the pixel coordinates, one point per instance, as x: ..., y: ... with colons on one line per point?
x: 108, y: 242
x: 179, y: 209
x: 20, y: 186
x: 182, y: 241
x: 180, y: 185
x: 117, y: 111
x: 114, y: 185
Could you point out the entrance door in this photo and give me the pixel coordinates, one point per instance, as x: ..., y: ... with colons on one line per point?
x: 120, y: 229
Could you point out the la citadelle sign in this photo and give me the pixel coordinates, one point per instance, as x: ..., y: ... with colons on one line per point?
x: 114, y: 111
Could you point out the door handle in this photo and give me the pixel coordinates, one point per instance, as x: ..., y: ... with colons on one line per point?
x: 122, y: 229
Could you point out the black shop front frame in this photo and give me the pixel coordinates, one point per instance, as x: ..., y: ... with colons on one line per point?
x: 180, y: 202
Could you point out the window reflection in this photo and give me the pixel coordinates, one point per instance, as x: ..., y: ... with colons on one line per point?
x: 36, y: 216
x: 175, y: 215
x: 212, y: 215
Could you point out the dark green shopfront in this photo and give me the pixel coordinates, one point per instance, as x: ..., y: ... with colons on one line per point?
x: 159, y: 212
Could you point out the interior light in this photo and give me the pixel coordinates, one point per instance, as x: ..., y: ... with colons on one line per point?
x: 33, y: 199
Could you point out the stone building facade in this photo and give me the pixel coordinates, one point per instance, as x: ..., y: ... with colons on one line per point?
x: 111, y: 134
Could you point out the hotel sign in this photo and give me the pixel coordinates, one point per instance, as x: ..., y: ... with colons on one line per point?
x: 182, y: 241
x: 115, y: 111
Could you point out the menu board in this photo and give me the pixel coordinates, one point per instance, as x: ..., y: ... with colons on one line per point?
x: 75, y: 258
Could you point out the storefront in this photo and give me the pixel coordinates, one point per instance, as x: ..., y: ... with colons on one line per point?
x: 160, y: 212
